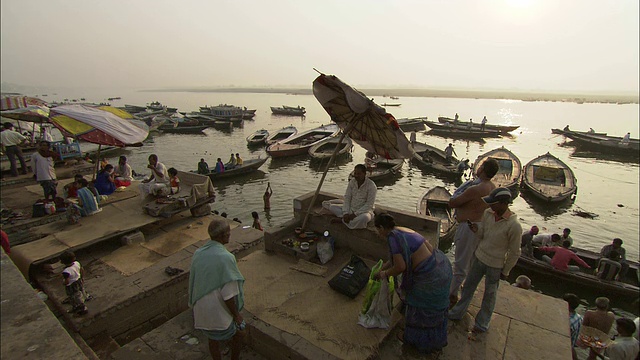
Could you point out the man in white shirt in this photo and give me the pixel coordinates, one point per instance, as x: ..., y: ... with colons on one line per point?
x: 216, y: 291
x: 11, y: 141
x: 624, y: 347
x: 158, y: 182
x: 359, y: 200
x: 42, y: 163
x: 547, y: 240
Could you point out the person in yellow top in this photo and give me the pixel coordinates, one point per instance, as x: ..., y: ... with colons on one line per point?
x: 239, y: 160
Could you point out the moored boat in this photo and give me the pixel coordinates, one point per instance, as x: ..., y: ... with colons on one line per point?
x: 460, y: 131
x: 246, y: 167
x: 435, y: 202
x: 288, y: 110
x: 549, y: 178
x: 282, y: 134
x: 198, y: 129
x: 410, y: 124
x: 299, y: 144
x: 227, y: 112
x: 258, y: 138
x: 508, y: 175
x: 324, y: 149
x: 432, y: 158
x: 502, y: 128
x: 585, y: 278
x: 606, y: 143
x: 379, y: 168
x: 564, y: 132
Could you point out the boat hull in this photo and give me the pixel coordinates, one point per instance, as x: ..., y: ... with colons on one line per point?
x: 247, y: 167
x: 549, y: 179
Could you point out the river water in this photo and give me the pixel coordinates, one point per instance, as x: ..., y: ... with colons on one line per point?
x: 607, y: 186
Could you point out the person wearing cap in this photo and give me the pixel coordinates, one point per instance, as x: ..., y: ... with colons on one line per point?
x: 562, y: 256
x: 468, y: 205
x: 624, y: 347
x: 575, y: 320
x: 616, y: 246
x: 11, y: 141
x: 566, y: 236
x: 525, y: 243
x: 600, y: 318
x: 497, y: 253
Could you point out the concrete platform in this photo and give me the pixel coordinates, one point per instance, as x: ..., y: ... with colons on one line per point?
x: 29, y: 329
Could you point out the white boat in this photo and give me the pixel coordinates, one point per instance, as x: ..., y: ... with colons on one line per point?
x: 282, y: 134
x: 300, y: 143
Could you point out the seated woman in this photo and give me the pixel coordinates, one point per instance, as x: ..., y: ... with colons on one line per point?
x: 123, y: 175
x: 219, y: 166
x: 87, y: 201
x: 426, y: 277
x: 71, y: 189
x: 105, y: 183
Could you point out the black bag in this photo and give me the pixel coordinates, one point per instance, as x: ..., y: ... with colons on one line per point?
x: 38, y: 210
x: 352, y: 278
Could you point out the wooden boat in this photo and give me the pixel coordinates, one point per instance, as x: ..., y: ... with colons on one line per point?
x: 606, y: 143
x: 172, y: 123
x: 585, y: 279
x: 324, y: 149
x: 387, y: 104
x: 432, y: 158
x: 548, y: 178
x: 299, y: 144
x: 246, y: 167
x: 435, y: 202
x: 502, y: 128
x: 185, y: 129
x: 258, y: 138
x: 380, y: 168
x: 227, y: 112
x: 410, y: 124
x: 460, y: 131
x: 562, y: 132
x: 288, y: 110
x: 282, y: 134
x: 508, y: 175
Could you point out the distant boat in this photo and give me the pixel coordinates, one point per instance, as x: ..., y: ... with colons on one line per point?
x: 288, y: 110
x: 394, y: 97
x: 613, y: 144
x: 379, y: 168
x: 504, y: 129
x: 433, y: 158
x: 387, y: 104
x: 435, y: 202
x: 282, y: 134
x: 509, y: 172
x: 258, y: 138
x: 324, y: 149
x: 247, y: 166
x: 300, y: 143
x: 569, y: 132
x: 228, y: 112
x: 460, y: 131
x: 410, y: 124
x: 549, y: 179
x: 185, y: 129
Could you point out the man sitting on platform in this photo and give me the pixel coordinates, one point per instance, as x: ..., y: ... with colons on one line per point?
x: 158, y: 182
x: 357, y: 208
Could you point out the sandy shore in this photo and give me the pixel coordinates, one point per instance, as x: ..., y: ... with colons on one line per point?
x: 440, y: 93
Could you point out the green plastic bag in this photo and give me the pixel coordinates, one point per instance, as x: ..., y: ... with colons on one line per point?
x: 373, y: 286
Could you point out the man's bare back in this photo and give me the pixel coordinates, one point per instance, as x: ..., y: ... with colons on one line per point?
x: 469, y: 205
x: 599, y: 319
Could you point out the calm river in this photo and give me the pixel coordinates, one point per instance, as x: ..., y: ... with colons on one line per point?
x: 607, y: 186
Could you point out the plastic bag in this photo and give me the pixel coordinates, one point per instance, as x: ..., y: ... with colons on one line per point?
x: 352, y: 278
x: 373, y: 286
x: 379, y: 313
x: 325, y: 251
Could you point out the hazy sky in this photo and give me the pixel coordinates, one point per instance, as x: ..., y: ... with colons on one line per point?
x: 583, y: 45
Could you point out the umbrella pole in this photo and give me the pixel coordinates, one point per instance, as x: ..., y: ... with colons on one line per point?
x: 97, y: 162
x: 331, y: 159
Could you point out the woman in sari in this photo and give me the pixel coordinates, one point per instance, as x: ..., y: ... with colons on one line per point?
x: 424, y: 284
x: 87, y: 201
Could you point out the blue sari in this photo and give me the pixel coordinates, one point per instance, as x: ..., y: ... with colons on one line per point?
x: 426, y: 290
x: 89, y: 202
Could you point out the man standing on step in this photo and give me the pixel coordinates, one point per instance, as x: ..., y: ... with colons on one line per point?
x: 359, y: 200
x: 11, y: 141
x: 468, y: 205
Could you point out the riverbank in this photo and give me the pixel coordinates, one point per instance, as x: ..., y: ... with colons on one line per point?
x: 578, y: 98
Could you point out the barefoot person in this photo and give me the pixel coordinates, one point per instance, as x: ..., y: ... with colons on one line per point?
x: 216, y: 291
x: 267, y: 197
x: 158, y: 182
x: 356, y: 210
x: 468, y: 204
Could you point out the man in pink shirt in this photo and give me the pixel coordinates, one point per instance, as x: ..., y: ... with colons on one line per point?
x: 562, y: 256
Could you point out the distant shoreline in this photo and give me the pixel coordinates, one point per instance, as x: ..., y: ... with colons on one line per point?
x: 438, y: 93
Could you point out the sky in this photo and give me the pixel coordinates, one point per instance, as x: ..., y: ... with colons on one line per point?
x: 536, y: 45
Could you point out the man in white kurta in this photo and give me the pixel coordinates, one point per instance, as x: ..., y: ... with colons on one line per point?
x: 158, y: 182
x: 359, y: 200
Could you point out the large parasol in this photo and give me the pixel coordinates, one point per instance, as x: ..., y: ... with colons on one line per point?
x: 366, y: 123
x: 10, y: 102
x: 96, y: 126
x: 31, y: 113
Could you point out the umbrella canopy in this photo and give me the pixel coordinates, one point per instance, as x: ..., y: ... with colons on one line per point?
x: 31, y: 113
x: 364, y: 122
x: 10, y: 102
x: 96, y: 126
